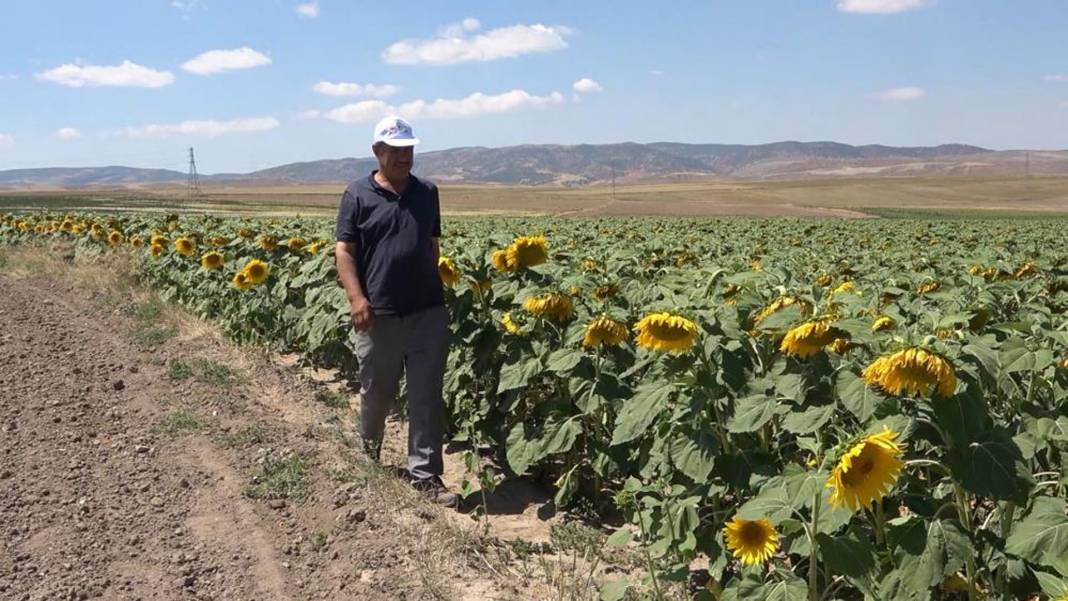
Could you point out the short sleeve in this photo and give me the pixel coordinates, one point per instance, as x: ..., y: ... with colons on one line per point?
x: 346, y: 219
x: 436, y: 232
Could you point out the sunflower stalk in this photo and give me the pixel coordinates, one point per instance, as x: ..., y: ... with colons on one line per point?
x: 966, y: 519
x: 813, y: 566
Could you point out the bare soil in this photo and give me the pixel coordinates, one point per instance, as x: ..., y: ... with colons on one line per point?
x: 125, y: 474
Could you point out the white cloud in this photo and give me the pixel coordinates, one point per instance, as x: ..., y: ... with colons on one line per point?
x: 128, y: 74
x: 900, y: 94
x: 68, y: 133
x: 7, y: 140
x: 586, y: 85
x: 308, y: 10
x: 472, y: 106
x: 217, y: 61
x: 454, y: 45
x: 1058, y: 78
x: 355, y: 89
x: 1064, y: 105
x: 208, y: 128
x: 881, y: 7
x: 309, y: 114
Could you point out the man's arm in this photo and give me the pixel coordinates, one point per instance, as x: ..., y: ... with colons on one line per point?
x: 348, y: 272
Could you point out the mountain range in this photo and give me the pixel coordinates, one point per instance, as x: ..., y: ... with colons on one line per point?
x: 583, y: 164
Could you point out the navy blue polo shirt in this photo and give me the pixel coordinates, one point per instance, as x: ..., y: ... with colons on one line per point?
x: 394, y: 243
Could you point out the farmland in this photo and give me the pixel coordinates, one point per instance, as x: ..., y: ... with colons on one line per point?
x: 712, y: 381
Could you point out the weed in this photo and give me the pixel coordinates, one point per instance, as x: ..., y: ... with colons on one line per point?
x: 178, y: 422
x: 284, y: 478
x: 245, y: 437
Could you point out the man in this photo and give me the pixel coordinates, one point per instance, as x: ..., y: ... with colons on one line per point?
x: 388, y: 227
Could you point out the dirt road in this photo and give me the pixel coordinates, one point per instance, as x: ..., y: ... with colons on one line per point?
x: 141, y: 460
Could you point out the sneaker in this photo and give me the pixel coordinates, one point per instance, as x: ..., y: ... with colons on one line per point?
x: 435, y: 490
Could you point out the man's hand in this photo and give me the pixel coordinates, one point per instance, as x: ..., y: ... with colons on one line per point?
x: 362, y: 315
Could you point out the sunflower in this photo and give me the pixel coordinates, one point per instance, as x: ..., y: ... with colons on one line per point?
x: 528, y: 251
x: 115, y: 238
x: 606, y: 291
x: 185, y: 247
x: 751, y: 541
x: 778, y: 305
x: 240, y: 281
x: 809, y: 338
x: 67, y: 226
x: 246, y: 233
x: 1063, y: 364
x: 1025, y: 270
x: 156, y: 250
x: 158, y: 240
x: 882, y: 323
x: 315, y: 247
x: 296, y: 243
x: 913, y: 371
x: 212, y: 260
x: 481, y: 287
x: 510, y: 325
x: 844, y: 288
x: 557, y: 307
x: 449, y: 272
x: 841, y: 346
x: 268, y: 243
x: 218, y: 241
x: 665, y: 332
x: 137, y: 242
x: 590, y: 265
x: 976, y: 270
x: 866, y: 472
x: 499, y: 259
x: 604, y: 332
x: 256, y: 272
x: 824, y: 280
x: 929, y: 287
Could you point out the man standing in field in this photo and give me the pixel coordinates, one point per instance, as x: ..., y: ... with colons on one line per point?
x: 388, y: 227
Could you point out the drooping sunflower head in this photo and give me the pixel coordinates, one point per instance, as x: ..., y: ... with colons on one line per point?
x: 882, y: 323
x: 115, y: 238
x: 605, y: 291
x: 218, y: 241
x: 866, y: 472
x: 159, y: 240
x: 844, y: 288
x: 929, y: 287
x: 604, y: 332
x: 824, y: 280
x: 268, y: 243
x: 841, y: 346
x: 557, y: 307
x: 665, y: 332
x: 137, y: 241
x: 499, y: 258
x: 809, y: 338
x: 510, y: 325
x: 156, y: 250
x: 589, y: 264
x: 528, y: 251
x: 778, y: 305
x: 1027, y: 269
x: 751, y: 541
x: 256, y: 272
x: 212, y: 260
x: 912, y: 371
x: 315, y: 247
x: 246, y: 233
x: 240, y: 281
x: 481, y: 287
x: 67, y: 226
x: 296, y: 243
x: 185, y: 246
x: 449, y: 272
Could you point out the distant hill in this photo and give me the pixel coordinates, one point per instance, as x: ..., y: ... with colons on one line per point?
x: 596, y: 163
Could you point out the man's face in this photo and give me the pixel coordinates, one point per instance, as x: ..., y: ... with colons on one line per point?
x: 393, y: 160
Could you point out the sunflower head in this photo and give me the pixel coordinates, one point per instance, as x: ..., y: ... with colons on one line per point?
x: 605, y: 291
x: 115, y: 238
x: 481, y: 287
x: 499, y: 258
x: 315, y: 247
x: 240, y: 281
x: 665, y: 332
x: 809, y: 338
x: 268, y: 243
x: 841, y: 346
x: 557, y: 307
x: 824, y: 280
x: 882, y: 323
x: 256, y: 272
x: 510, y: 325
x: 246, y: 233
x: 137, y: 241
x: 1027, y: 269
x: 866, y: 472
x: 449, y: 272
x: 212, y: 260
x: 156, y: 250
x: 159, y: 240
x: 751, y: 541
x: 218, y: 241
x: 929, y: 287
x: 528, y: 251
x: 778, y: 305
x: 604, y: 332
x: 185, y: 246
x: 296, y: 243
x: 590, y: 265
x: 912, y: 371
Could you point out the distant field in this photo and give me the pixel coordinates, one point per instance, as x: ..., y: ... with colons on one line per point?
x: 810, y: 198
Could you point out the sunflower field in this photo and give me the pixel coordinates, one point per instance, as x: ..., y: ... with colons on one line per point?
x: 807, y: 410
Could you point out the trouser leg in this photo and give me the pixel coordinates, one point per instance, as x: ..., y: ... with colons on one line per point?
x: 427, y: 352
x: 380, y: 351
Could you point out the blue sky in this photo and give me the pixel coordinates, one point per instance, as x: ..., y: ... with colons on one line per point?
x: 252, y: 84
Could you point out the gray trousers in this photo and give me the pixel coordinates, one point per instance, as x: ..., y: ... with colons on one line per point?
x: 418, y: 344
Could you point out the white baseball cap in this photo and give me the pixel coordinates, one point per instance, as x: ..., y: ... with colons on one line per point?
x: 395, y: 131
